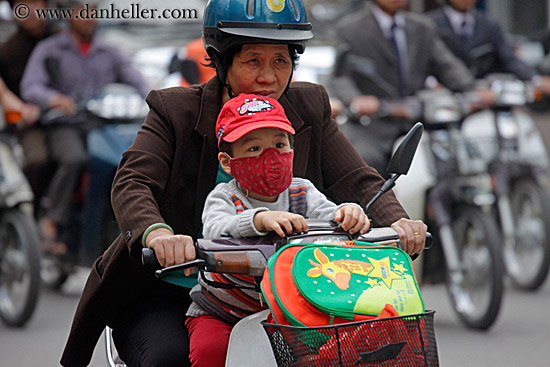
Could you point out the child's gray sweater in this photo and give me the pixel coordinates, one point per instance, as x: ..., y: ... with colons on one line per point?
x: 228, y: 211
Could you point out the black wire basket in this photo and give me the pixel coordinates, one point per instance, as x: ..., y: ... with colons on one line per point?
x: 395, y: 341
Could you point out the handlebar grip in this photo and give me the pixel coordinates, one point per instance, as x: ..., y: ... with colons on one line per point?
x: 427, y: 244
x: 429, y: 241
x: 148, y: 257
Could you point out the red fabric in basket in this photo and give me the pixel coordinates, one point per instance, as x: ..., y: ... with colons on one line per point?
x: 369, y: 337
x: 354, y: 340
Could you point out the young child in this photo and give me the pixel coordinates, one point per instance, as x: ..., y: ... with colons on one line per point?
x: 255, y: 141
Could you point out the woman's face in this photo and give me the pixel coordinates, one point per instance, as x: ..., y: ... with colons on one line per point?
x: 262, y: 69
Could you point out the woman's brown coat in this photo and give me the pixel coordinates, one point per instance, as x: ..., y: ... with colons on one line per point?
x: 169, y: 170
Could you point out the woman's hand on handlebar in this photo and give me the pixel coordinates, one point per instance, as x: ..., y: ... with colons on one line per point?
x: 412, y: 235
x: 171, y: 249
x: 353, y: 219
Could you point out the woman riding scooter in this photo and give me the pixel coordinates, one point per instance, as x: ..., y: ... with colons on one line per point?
x: 164, y: 178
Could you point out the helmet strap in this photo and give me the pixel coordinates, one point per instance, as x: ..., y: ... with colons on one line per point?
x: 222, y: 75
x: 289, y: 81
x: 229, y: 90
x: 221, y: 72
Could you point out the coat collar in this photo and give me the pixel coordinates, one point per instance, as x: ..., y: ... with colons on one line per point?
x: 210, y: 107
x: 291, y: 113
x: 301, y: 138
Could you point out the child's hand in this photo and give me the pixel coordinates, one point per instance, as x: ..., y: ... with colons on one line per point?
x: 279, y: 222
x: 353, y: 219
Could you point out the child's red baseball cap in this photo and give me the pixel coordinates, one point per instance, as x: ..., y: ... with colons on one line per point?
x: 247, y: 112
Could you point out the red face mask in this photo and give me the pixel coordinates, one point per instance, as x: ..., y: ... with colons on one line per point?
x: 268, y: 174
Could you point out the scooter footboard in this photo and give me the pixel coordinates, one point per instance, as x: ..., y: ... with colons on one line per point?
x: 249, y: 345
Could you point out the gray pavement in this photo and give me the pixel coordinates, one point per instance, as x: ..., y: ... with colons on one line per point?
x: 41, y: 342
x: 519, y: 337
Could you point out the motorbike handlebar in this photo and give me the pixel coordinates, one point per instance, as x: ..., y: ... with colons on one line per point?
x: 430, y: 107
x: 442, y: 106
x: 148, y: 256
x: 429, y: 241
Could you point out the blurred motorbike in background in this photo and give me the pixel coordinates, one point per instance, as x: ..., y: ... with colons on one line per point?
x: 19, y: 238
x: 448, y: 191
x: 513, y: 153
x: 534, y: 50
x: 482, y: 184
x: 92, y: 228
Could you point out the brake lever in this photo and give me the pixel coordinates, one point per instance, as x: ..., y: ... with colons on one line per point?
x: 162, y: 272
x: 148, y: 257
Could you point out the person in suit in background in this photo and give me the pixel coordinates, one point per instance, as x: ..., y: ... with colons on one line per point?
x: 397, y: 50
x: 478, y: 40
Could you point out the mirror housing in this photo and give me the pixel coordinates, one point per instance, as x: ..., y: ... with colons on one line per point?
x: 401, y: 160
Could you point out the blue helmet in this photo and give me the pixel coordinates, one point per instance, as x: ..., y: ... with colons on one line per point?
x: 228, y: 23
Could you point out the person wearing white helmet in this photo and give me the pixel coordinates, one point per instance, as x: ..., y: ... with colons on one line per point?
x: 164, y: 178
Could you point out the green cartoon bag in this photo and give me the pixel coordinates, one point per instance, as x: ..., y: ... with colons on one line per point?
x: 317, y: 285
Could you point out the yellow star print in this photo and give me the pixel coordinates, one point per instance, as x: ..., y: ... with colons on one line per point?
x: 382, y: 270
x: 372, y: 282
x: 400, y: 268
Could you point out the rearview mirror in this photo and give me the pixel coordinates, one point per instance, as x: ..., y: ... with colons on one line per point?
x: 401, y: 160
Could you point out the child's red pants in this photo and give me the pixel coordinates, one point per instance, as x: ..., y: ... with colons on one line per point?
x: 208, y: 341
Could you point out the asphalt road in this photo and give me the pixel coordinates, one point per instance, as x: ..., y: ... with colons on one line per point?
x: 41, y: 342
x: 519, y: 337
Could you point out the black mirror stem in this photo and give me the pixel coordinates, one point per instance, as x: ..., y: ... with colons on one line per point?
x: 388, y: 185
